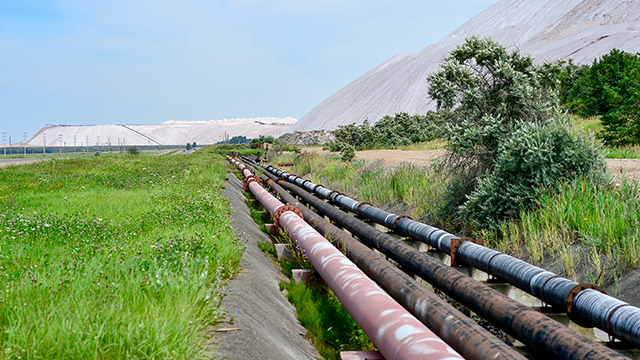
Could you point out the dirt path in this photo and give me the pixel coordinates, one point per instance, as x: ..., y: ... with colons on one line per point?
x: 630, y: 168
x: 259, y: 323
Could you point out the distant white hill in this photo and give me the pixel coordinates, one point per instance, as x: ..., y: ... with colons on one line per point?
x: 546, y: 29
x: 173, y: 132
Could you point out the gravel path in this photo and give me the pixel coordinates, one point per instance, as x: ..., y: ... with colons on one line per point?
x: 259, y: 323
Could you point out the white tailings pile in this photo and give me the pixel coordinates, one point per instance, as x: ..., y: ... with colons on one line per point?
x: 174, y: 132
x: 546, y: 29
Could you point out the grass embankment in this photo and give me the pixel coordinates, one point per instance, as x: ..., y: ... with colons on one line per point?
x: 112, y: 257
x: 592, y: 230
x: 329, y: 326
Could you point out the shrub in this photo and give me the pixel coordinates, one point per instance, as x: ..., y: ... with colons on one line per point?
x: 505, y: 138
x: 390, y: 131
x: 347, y: 152
x: 533, y: 158
x: 255, y: 143
x: 133, y: 150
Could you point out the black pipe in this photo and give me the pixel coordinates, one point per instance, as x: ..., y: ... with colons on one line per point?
x: 529, y: 326
x: 457, y: 330
x: 587, y: 305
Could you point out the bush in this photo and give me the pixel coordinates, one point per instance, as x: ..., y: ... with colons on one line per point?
x: 347, y: 152
x: 390, y: 131
x: 133, y: 150
x: 533, y: 158
x: 255, y: 143
x: 505, y: 136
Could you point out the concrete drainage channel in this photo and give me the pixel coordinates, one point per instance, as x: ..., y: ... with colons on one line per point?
x: 530, y: 327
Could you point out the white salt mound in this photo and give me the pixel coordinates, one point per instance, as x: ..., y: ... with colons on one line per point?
x: 173, y: 132
x: 546, y: 29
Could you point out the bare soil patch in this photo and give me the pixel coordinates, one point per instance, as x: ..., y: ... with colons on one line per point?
x: 629, y: 168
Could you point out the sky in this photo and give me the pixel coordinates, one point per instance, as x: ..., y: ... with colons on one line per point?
x: 85, y: 62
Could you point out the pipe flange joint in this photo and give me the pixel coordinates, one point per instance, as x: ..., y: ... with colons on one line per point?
x: 283, y: 209
x: 571, y: 296
x: 455, y: 244
x: 360, y: 205
x: 611, y: 335
x: 248, y: 180
x: 395, y: 223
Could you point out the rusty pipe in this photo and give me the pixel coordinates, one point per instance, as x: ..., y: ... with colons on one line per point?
x: 460, y: 332
x: 529, y: 326
x: 396, y: 333
x: 585, y: 304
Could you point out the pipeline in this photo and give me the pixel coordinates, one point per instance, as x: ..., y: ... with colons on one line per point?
x: 586, y: 304
x: 529, y: 326
x: 460, y: 332
x: 395, y: 332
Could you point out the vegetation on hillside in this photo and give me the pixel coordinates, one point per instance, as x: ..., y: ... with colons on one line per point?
x: 520, y: 172
x: 113, y: 256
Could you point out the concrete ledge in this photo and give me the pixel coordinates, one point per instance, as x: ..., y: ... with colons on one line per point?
x: 302, y: 276
x: 283, y: 251
x: 361, y: 355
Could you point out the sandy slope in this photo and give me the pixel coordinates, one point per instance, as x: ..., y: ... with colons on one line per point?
x: 547, y: 29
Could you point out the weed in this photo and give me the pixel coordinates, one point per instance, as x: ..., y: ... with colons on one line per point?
x: 328, y: 324
x: 113, y: 256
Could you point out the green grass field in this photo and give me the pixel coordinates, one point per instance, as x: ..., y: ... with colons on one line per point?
x: 113, y: 256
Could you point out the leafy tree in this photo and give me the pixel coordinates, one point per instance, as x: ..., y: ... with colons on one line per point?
x: 256, y: 142
x: 506, y: 137
x: 193, y: 145
x: 590, y: 96
x: 390, y: 131
x: 188, y: 147
x: 569, y: 75
x: 622, y: 121
x: 491, y: 92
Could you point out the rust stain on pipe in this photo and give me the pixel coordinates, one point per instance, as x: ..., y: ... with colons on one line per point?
x: 461, y: 333
x: 396, y: 333
x: 528, y: 325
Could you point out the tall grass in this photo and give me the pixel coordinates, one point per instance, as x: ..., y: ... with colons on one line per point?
x: 602, y: 220
x: 579, y: 223
x: 625, y: 152
x: 419, y: 188
x: 328, y: 324
x: 112, y: 256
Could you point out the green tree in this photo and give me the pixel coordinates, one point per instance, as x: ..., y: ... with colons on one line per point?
x: 256, y: 142
x: 188, y: 147
x: 590, y: 95
x: 491, y: 92
x: 622, y: 121
x: 507, y: 138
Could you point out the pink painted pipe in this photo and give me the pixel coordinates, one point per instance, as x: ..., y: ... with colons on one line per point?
x: 394, y: 331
